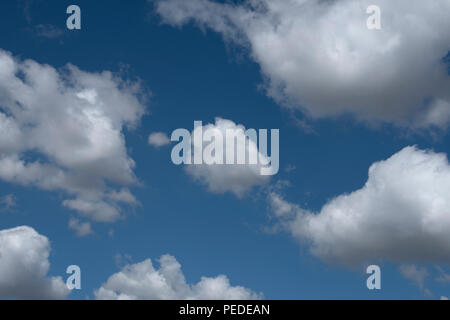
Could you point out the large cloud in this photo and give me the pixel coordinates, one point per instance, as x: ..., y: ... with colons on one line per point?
x: 24, y: 266
x: 62, y: 130
x: 401, y: 214
x: 142, y: 281
x: 319, y: 56
x: 235, y: 178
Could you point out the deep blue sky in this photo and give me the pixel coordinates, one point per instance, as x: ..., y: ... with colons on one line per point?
x: 194, y: 76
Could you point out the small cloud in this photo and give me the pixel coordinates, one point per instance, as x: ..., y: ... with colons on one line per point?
x: 416, y: 275
x: 444, y: 277
x: 289, y: 168
x: 82, y: 229
x: 427, y: 292
x: 122, y: 260
x: 123, y: 196
x: 27, y: 10
x: 7, y: 202
x: 158, y: 139
x: 304, y: 126
x: 48, y: 31
x: 444, y: 298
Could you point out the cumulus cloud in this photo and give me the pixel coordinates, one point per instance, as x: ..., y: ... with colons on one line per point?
x: 24, y: 266
x: 141, y: 281
x: 235, y: 178
x: 158, y: 139
x: 319, y: 56
x: 401, y: 214
x: 63, y: 130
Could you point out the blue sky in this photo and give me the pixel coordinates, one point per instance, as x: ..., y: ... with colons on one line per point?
x: 190, y: 75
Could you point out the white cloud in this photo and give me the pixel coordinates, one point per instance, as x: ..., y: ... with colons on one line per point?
x: 158, y: 139
x: 143, y: 282
x: 24, y: 266
x: 94, y: 209
x: 221, y: 178
x: 320, y: 57
x: 401, y: 214
x: 63, y: 130
x: 82, y: 229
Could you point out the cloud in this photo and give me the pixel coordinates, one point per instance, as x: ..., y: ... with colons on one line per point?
x: 27, y: 6
x: 319, y: 56
x: 62, y: 130
x: 82, y: 229
x: 414, y: 274
x: 235, y: 178
x: 401, y: 214
x: 158, y: 139
x: 41, y: 30
x: 48, y: 31
x: 7, y: 202
x: 24, y: 266
x: 444, y: 277
x: 142, y: 281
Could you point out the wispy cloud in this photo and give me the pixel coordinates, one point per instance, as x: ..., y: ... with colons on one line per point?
x: 48, y: 31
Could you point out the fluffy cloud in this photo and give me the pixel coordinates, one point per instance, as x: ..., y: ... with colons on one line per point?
x: 401, y: 214
x: 158, y: 139
x: 221, y: 178
x: 24, y: 266
x: 320, y: 57
x: 62, y: 130
x: 142, y: 281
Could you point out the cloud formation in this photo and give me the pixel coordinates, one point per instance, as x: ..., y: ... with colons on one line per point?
x: 401, y: 214
x: 24, y: 266
x: 63, y: 130
x: 158, y: 139
x: 320, y: 57
x: 236, y: 178
x: 141, y: 281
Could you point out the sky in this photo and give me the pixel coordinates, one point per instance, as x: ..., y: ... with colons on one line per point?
x: 87, y: 179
